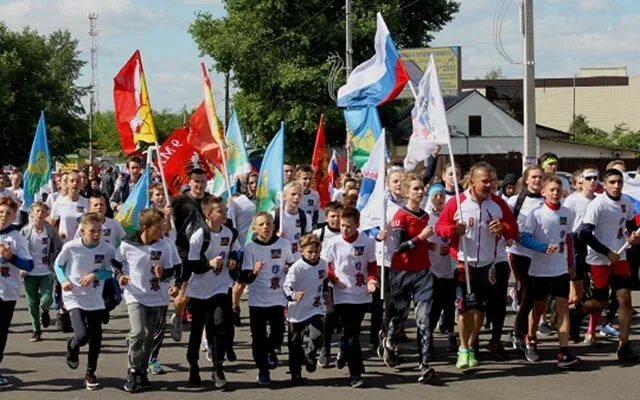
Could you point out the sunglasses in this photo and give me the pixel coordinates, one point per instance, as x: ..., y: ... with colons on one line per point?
x: 590, y: 178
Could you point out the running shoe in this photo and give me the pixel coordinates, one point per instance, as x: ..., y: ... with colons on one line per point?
x: 513, y: 293
x: 323, y: 359
x: 626, y: 354
x: 341, y: 361
x: 132, y: 382
x: 45, y: 319
x: 90, y: 381
x: 590, y: 339
x: 272, y: 360
x: 608, y: 330
x: 471, y: 356
x: 219, y: 380
x: 463, y: 359
x: 426, y: 374
x: 264, y: 378
x: 567, y: 361
x: 36, y: 337
x: 531, y: 352
x: 517, y: 343
x: 544, y: 329
x: 176, y: 328
x: 155, y: 367
x: 72, y: 356
x: 3, y: 381
x: 356, y: 381
x: 498, y: 351
x: 390, y: 355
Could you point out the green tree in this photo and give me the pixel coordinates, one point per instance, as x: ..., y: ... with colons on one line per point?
x: 494, y: 73
x: 38, y: 72
x: 277, y: 53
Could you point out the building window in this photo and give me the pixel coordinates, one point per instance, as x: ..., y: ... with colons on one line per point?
x: 475, y: 125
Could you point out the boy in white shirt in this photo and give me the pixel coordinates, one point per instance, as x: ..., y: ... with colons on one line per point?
x: 14, y: 257
x: 295, y: 222
x: 44, y: 246
x: 112, y: 231
x: 67, y: 209
x: 548, y: 233
x: 143, y: 266
x: 212, y: 258
x: 310, y: 198
x: 303, y: 287
x: 81, y: 268
x: 353, y: 273
x: 264, y: 266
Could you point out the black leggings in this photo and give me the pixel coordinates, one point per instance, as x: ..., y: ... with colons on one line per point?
x: 87, y: 328
x: 214, y: 316
x: 520, y: 266
x: 261, y: 344
x: 6, y: 315
x: 497, y: 300
x: 351, y: 316
x: 444, y: 298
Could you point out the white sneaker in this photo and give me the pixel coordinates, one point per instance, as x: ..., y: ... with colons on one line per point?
x: 176, y: 328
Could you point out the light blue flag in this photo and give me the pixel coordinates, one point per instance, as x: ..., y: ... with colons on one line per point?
x: 270, y: 179
x: 38, y: 173
x: 363, y: 130
x: 237, y: 159
x: 138, y: 200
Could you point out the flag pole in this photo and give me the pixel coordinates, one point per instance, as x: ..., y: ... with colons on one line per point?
x: 457, y: 193
x: 165, y: 188
x: 384, y: 226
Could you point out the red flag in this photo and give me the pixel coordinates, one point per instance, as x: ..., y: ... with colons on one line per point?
x: 201, y: 139
x: 179, y: 158
x: 320, y: 164
x: 132, y: 107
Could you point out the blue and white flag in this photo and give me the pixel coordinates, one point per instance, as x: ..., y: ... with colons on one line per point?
x: 371, y: 199
x: 38, y: 173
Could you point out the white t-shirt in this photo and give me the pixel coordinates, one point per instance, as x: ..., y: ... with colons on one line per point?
x: 241, y: 211
x: 112, y: 232
x: 577, y: 203
x: 68, y: 212
x: 550, y: 227
x: 266, y: 289
x: 206, y: 285
x: 292, y: 230
x: 609, y: 218
x: 307, y: 278
x: 39, y: 250
x: 389, y: 244
x: 6, y: 192
x: 79, y: 260
x: 350, y: 263
x: 528, y: 205
x: 325, y: 233
x: 137, y: 262
x: 9, y: 273
x: 310, y: 203
x: 441, y: 264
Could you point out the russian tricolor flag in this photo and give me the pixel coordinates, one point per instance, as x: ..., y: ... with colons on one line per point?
x: 379, y: 79
x: 333, y: 170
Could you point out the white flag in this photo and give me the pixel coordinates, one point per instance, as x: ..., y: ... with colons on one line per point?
x: 429, y: 119
x: 371, y: 200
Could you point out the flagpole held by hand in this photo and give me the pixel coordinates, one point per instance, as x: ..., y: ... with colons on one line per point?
x: 156, y: 148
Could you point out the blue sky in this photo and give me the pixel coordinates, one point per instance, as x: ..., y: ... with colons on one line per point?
x: 569, y: 34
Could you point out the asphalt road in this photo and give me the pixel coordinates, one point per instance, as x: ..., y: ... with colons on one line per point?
x: 38, y: 371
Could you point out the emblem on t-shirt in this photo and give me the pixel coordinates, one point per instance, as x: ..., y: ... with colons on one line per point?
x: 80, y: 209
x: 294, y: 247
x: 358, y: 266
x: 358, y: 251
x: 275, y: 269
x: 106, y: 231
x: 4, y: 272
x: 562, y: 233
x: 276, y: 254
x: 155, y: 255
x: 471, y: 222
x: 321, y: 274
x: 298, y: 223
x: 316, y: 301
x: 310, y: 202
x: 359, y: 280
x: 563, y: 220
x: 155, y: 284
x: 45, y: 260
x: 98, y: 258
x: 624, y: 208
x: 45, y: 241
x: 275, y: 283
x: 224, y: 241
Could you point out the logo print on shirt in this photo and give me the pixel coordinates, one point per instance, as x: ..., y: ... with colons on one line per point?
x: 80, y: 209
x: 98, y: 258
x: 45, y: 241
x: 276, y: 254
x: 294, y: 247
x: 359, y: 280
x: 358, y: 266
x: 623, y: 207
x: 562, y: 234
x: 358, y: 251
x: 4, y: 272
x: 275, y: 269
x: 321, y: 274
x: 155, y: 284
x: 106, y: 232
x: 563, y: 220
x: 310, y: 202
x: 155, y: 255
x: 275, y: 283
x: 298, y: 223
x: 224, y: 241
x: 471, y: 222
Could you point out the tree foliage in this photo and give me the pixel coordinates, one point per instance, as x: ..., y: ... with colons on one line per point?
x: 276, y: 51
x: 621, y: 136
x: 494, y: 73
x: 38, y: 72
x: 106, y: 139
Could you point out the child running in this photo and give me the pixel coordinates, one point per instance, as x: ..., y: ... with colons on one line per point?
x: 81, y: 267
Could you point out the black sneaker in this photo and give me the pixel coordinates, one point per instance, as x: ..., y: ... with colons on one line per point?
x: 36, y: 337
x: 356, y: 381
x: 272, y: 360
x: 323, y: 359
x: 131, y: 384
x: 311, y: 365
x: 194, y: 376
x: 219, y: 380
x: 380, y: 349
x: 426, y: 374
x: 518, y: 343
x: 498, y: 351
x: 531, y: 352
x: 90, y: 381
x: 231, y: 355
x: 45, y: 319
x: 567, y: 361
x: 389, y: 356
x: 105, y: 317
x: 4, y: 381
x: 145, y: 384
x: 341, y: 360
x: 297, y: 380
x: 626, y: 354
x: 575, y: 319
x: 72, y: 356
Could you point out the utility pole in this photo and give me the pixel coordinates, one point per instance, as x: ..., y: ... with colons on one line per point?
x: 530, y: 154
x: 349, y: 50
x: 93, y: 33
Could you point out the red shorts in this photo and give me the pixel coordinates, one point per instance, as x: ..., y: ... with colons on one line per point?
x: 600, y: 273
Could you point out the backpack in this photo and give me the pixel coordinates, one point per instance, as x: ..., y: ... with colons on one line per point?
x: 519, y: 202
x: 301, y: 215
